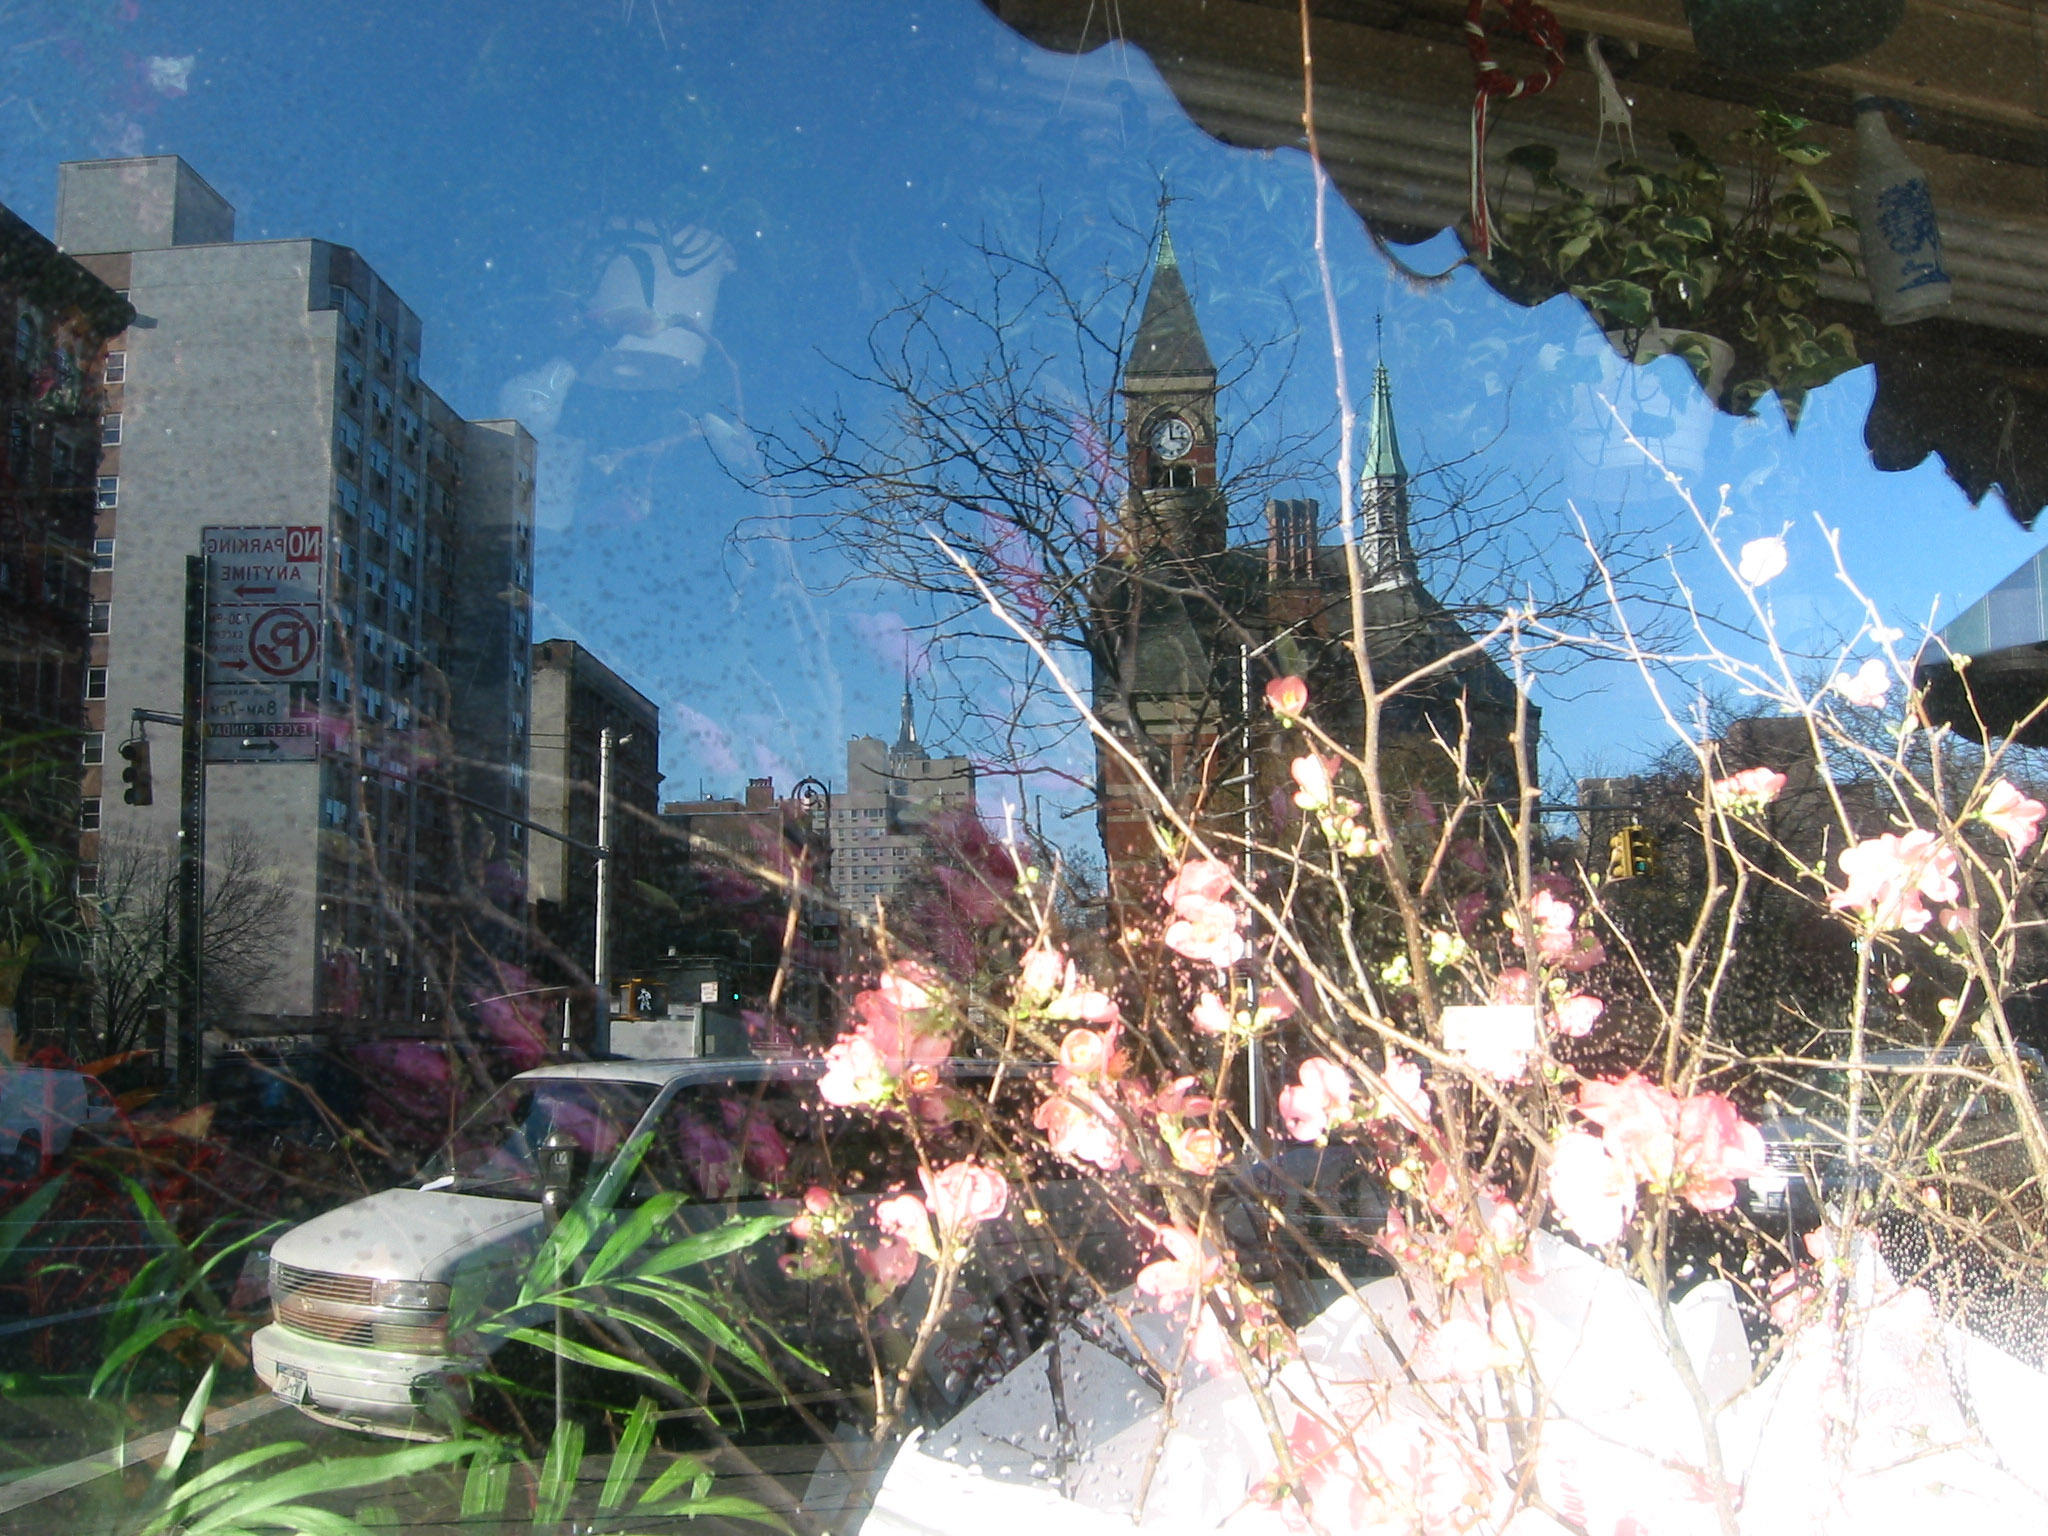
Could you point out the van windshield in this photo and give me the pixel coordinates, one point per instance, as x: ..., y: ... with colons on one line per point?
x: 496, y: 1151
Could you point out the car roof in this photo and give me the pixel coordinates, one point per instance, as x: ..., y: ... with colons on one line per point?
x: 744, y: 1069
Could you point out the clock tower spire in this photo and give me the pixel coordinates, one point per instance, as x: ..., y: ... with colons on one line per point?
x: 1169, y: 387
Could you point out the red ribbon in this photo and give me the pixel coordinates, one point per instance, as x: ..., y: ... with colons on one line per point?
x: 1529, y: 20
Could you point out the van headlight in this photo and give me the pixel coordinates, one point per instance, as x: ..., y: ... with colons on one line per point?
x: 410, y: 1295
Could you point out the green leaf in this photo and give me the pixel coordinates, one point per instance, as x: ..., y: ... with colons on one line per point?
x: 133, y: 1345
x: 557, y: 1256
x: 327, y: 1476
x: 724, y: 1504
x: 682, y: 1470
x: 1536, y: 159
x: 583, y: 1354
x: 1803, y: 152
x: 187, y: 1432
x: 191, y: 1496
x: 633, y: 1233
x: 704, y: 1246
x: 17, y: 1223
x: 558, y: 1475
x: 1617, y: 301
x: 488, y: 1483
x: 631, y: 1454
x: 696, y: 1315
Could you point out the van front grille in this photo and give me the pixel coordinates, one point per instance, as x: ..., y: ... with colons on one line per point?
x: 354, y: 1290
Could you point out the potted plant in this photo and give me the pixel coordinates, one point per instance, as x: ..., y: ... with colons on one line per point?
x: 1666, y: 261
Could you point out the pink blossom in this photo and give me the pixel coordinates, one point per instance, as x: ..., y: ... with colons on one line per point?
x: 1209, y: 1015
x: 1890, y: 876
x: 1206, y: 931
x: 1868, y: 688
x: 1639, y: 1124
x: 1191, y: 1267
x: 887, y: 1264
x: 1898, y: 984
x: 1404, y: 1098
x: 1287, y: 697
x: 1592, y: 1191
x: 1197, y: 1149
x: 1576, y: 1015
x: 1716, y: 1146
x: 1079, y: 999
x: 1320, y: 1099
x: 854, y: 1073
x: 2012, y: 816
x: 908, y: 985
x: 1081, y: 1128
x: 1762, y: 559
x: 1039, y: 974
x: 963, y: 1195
x: 1314, y: 778
x: 1552, y: 920
x: 810, y: 1221
x: 1085, y: 1052
x: 1177, y: 1098
x: 1204, y: 925
x: 1748, y: 791
x: 904, y: 1219
x: 1462, y: 1348
x: 1515, y: 985
x: 1496, y: 1039
x: 1201, y: 879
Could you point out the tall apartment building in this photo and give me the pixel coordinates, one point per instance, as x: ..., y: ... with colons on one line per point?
x: 276, y: 383
x: 55, y: 318
x: 882, y: 823
x: 575, y: 697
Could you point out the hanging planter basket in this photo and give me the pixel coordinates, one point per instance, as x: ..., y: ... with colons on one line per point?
x: 1775, y: 36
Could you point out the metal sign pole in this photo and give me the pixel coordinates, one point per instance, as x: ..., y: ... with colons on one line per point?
x: 192, y: 835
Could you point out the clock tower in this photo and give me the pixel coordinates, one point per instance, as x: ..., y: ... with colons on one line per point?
x: 1173, y: 508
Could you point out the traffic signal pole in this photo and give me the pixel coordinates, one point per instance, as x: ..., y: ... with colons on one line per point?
x: 192, y: 835
x: 601, y: 961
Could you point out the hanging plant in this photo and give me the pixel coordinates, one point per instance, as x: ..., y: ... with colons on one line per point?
x: 1775, y: 36
x: 1660, y: 254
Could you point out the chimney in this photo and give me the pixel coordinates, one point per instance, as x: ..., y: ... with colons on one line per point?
x: 760, y: 794
x: 1292, y: 536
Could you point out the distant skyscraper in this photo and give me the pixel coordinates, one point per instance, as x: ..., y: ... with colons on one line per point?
x: 277, y: 383
x: 882, y: 823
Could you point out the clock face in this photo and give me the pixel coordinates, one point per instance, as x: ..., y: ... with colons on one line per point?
x: 1172, y: 438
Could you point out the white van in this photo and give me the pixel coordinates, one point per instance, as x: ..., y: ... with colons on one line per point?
x: 362, y: 1296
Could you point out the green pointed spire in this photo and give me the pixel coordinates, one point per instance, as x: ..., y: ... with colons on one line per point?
x: 1169, y: 339
x: 1383, y: 449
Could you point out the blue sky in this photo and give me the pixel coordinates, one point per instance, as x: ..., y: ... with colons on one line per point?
x: 472, y: 153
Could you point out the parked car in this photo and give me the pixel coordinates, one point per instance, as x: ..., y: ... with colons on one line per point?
x: 43, y: 1110
x: 367, y: 1300
x: 1925, y: 1103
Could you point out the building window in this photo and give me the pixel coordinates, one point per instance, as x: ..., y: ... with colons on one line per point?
x: 337, y: 685
x: 88, y: 879
x: 116, y: 369
x: 333, y: 812
x: 348, y: 442
x: 92, y: 749
x: 401, y: 595
x: 347, y: 497
x: 95, y: 682
x: 89, y: 814
x: 109, y: 492
x: 110, y: 430
x: 99, y: 618
x: 103, y: 554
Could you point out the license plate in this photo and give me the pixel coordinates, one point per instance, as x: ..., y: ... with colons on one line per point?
x: 291, y: 1384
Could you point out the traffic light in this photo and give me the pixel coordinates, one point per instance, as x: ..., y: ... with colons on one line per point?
x: 135, y: 751
x: 1631, y: 854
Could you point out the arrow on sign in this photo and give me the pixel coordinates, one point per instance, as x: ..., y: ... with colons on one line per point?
x: 237, y: 665
x: 245, y: 593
